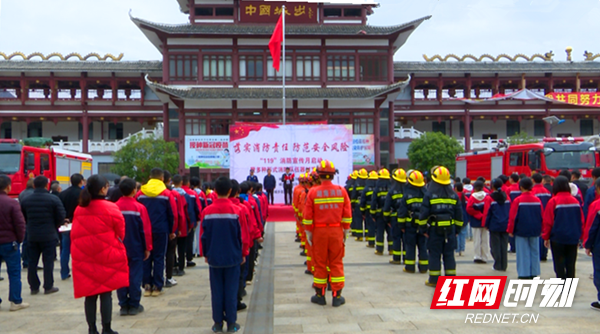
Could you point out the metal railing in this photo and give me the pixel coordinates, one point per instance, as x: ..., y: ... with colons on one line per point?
x: 476, y: 144
x: 108, y: 146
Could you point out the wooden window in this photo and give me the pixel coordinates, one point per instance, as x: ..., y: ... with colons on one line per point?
x: 6, y: 130
x: 539, y: 128
x: 373, y: 68
x: 217, y: 68
x: 251, y: 68
x: 438, y: 127
x: 173, y: 123
x: 332, y: 12
x: 90, y: 131
x: 195, y: 126
x: 461, y: 129
x: 586, y: 127
x: 363, y: 126
x: 273, y: 75
x: 308, y: 68
x: 183, y: 68
x: 224, y: 11
x: 115, y: 131
x: 219, y: 126
x: 204, y: 11
x: 34, y: 129
x: 512, y: 128
x: 341, y: 68
x: 352, y: 12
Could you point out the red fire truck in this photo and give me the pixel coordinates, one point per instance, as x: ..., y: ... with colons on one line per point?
x: 21, y: 163
x: 548, y: 157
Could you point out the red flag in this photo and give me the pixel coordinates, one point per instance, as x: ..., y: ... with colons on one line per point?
x: 275, y: 44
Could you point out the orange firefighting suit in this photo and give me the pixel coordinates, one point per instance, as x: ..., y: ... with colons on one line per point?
x: 327, y: 214
x: 295, y: 197
x: 307, y: 246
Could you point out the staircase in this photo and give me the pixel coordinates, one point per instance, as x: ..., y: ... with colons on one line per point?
x: 108, y: 146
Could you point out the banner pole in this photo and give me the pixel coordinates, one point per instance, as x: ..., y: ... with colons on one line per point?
x: 284, y: 60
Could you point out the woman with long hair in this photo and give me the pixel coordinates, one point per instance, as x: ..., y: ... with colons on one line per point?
x: 98, y: 254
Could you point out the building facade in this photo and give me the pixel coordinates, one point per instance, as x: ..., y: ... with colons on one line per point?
x: 216, y: 70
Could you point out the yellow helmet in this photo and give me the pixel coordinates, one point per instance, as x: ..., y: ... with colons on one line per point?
x: 416, y: 178
x: 373, y: 175
x: 302, y: 178
x: 441, y: 175
x: 399, y: 175
x: 354, y: 175
x: 384, y: 174
x: 363, y: 174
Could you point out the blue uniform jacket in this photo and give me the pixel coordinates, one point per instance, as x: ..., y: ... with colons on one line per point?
x: 563, y: 220
x: 526, y: 216
x: 495, y: 212
x: 222, y: 234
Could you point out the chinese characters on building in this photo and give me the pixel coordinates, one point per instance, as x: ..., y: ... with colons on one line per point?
x: 580, y: 99
x: 269, y: 12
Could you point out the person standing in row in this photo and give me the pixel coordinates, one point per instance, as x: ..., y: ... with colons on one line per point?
x: 544, y: 195
x: 288, y: 185
x: 495, y: 218
x: 525, y: 225
x: 327, y: 217
x: 44, y: 214
x: 365, y: 207
x: 441, y: 209
x: 70, y: 200
x: 481, y: 236
x: 357, y: 227
x: 138, y: 243
x: 99, y: 256
x: 410, y: 224
x: 382, y: 228
x: 269, y: 183
x: 222, y: 248
x: 563, y: 227
x: 591, y: 240
x: 12, y: 233
x: 252, y: 177
x: 390, y: 212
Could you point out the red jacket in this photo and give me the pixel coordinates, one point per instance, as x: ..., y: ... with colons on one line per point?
x: 243, y: 224
x: 256, y: 212
x: 264, y: 205
x: 98, y: 254
x: 182, y: 212
x: 593, y: 212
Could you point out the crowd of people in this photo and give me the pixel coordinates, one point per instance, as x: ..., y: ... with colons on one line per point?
x: 435, y: 216
x: 134, y: 239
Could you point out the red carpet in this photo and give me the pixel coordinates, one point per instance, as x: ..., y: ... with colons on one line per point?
x: 281, y: 213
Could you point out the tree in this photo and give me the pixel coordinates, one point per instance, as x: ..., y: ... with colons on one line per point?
x: 521, y: 138
x: 434, y: 149
x: 140, y: 155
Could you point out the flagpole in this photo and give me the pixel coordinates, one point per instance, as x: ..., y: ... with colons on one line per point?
x: 284, y: 60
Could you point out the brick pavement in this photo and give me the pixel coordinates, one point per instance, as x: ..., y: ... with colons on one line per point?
x: 380, y: 299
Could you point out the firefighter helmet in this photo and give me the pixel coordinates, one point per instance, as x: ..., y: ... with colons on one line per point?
x: 302, y: 178
x: 373, y: 175
x: 354, y: 175
x: 363, y: 174
x: 399, y: 175
x: 384, y: 174
x: 441, y: 175
x: 314, y: 177
x: 326, y: 169
x: 416, y: 178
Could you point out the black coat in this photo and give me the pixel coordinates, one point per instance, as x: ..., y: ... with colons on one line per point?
x: 269, y: 182
x: 44, y: 214
x: 70, y: 200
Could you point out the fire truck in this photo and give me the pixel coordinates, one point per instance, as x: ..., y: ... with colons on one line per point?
x: 549, y: 156
x: 22, y: 163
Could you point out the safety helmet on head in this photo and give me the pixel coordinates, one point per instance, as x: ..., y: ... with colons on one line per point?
x: 384, y: 174
x: 363, y: 174
x: 326, y: 169
x: 302, y: 178
x: 416, y: 178
x: 314, y: 176
x: 354, y: 175
x: 373, y: 175
x: 441, y: 175
x: 399, y: 175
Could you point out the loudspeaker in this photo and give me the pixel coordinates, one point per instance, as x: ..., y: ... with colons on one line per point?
x: 195, y: 171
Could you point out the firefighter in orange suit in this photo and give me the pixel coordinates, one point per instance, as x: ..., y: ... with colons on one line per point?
x: 295, y: 195
x: 312, y: 180
x: 327, y: 218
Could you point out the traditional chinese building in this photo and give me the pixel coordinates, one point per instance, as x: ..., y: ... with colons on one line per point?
x: 216, y: 70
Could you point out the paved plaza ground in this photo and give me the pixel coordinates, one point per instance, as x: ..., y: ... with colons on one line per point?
x: 380, y: 299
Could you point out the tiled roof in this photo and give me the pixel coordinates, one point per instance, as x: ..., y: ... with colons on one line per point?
x: 267, y: 29
x: 275, y: 93
x: 81, y: 66
x: 496, y: 67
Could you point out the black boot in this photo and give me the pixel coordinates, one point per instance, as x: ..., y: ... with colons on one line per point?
x: 93, y: 330
x: 338, y: 300
x: 319, y: 298
x: 107, y: 330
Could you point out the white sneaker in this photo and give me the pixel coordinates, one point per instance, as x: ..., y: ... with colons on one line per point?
x: 172, y: 281
x: 16, y: 307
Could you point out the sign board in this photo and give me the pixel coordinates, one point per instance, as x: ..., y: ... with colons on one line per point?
x: 207, y: 151
x: 269, y: 12
x: 299, y: 147
x: 363, y: 150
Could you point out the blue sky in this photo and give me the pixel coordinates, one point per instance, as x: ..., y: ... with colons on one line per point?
x: 457, y: 26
